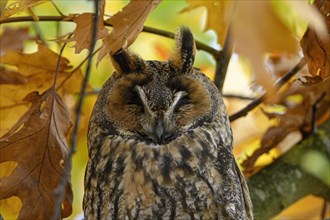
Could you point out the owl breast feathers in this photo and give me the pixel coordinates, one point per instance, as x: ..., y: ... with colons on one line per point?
x: 160, y: 144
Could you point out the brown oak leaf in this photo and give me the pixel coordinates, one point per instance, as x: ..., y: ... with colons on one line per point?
x: 18, y: 6
x: 37, y: 142
x: 297, y: 117
x: 13, y: 39
x: 256, y: 29
x: 218, y: 15
x: 38, y: 71
x: 84, y: 30
x: 316, y: 49
x: 127, y: 24
x: 11, y: 77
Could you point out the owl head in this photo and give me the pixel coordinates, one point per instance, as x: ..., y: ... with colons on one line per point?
x: 156, y: 101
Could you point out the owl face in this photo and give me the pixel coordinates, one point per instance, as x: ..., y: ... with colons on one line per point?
x: 158, y: 101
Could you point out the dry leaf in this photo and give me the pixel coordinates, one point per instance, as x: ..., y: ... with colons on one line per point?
x: 84, y: 31
x: 37, y: 142
x: 19, y: 6
x: 316, y: 49
x: 11, y: 77
x: 38, y: 71
x: 297, y: 117
x: 127, y: 24
x: 13, y: 39
x: 256, y: 29
x: 218, y: 15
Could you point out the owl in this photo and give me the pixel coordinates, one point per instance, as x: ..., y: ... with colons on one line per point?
x: 160, y: 143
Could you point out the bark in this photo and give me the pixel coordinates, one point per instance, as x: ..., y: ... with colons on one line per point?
x: 285, y: 181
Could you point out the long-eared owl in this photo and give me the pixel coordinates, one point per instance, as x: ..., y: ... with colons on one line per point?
x: 160, y: 143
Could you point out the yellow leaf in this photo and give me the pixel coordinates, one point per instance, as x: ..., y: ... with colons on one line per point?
x: 218, y: 15
x: 257, y: 30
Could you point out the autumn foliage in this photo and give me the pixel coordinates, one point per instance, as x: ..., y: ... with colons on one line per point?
x: 39, y: 90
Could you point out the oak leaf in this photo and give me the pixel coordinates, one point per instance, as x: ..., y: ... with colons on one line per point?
x: 13, y: 39
x: 39, y: 69
x: 11, y: 77
x: 37, y: 142
x: 127, y: 24
x: 297, y: 116
x: 84, y: 31
x: 19, y: 6
x: 256, y: 30
x: 36, y: 72
x: 218, y: 15
x: 316, y: 49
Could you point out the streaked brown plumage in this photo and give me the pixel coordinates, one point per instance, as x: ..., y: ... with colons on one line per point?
x: 160, y: 144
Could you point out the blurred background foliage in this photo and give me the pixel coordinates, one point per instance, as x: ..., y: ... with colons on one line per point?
x: 168, y: 16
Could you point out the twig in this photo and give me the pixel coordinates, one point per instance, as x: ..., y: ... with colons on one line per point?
x: 77, y: 67
x: 61, y: 193
x: 57, y: 9
x: 85, y: 81
x: 146, y: 29
x: 224, y: 56
x: 223, y: 62
x: 237, y: 97
x: 247, y: 109
x: 68, y: 162
x: 314, y: 113
x: 324, y: 209
x: 36, y: 28
x: 278, y: 84
x: 199, y: 45
x: 93, y: 92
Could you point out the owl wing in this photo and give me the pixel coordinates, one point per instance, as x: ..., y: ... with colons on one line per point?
x: 245, y: 191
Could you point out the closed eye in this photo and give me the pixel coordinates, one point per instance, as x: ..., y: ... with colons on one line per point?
x: 182, y: 102
x: 180, y: 99
x: 134, y: 98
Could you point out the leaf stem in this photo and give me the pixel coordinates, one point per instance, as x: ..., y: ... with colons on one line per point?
x: 77, y: 67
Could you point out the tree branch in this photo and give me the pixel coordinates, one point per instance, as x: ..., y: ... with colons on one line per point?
x: 278, y: 84
x: 223, y: 62
x: 146, y: 29
x: 285, y: 181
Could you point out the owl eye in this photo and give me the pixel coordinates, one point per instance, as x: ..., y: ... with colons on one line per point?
x: 133, y: 98
x: 183, y: 101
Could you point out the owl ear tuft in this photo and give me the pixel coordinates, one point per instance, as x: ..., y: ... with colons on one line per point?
x: 184, y: 54
x: 125, y: 62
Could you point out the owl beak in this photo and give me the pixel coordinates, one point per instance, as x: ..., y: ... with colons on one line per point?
x: 159, y: 130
